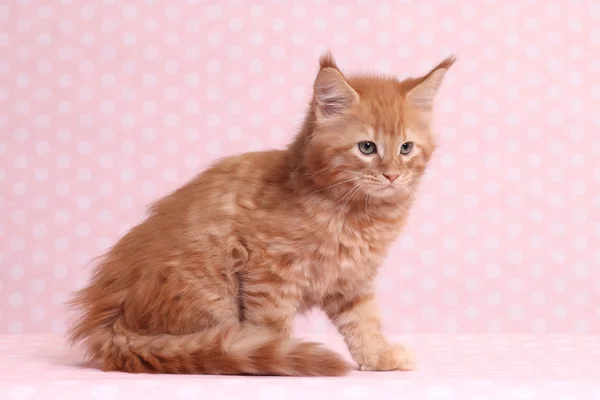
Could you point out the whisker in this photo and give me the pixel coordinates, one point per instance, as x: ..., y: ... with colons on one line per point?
x: 356, y: 190
x: 322, y: 170
x: 336, y: 184
x: 345, y: 195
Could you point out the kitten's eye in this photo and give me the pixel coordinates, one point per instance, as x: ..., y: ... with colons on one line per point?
x: 406, y: 148
x: 367, y: 148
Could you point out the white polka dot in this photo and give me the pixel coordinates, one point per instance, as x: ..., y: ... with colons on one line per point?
x: 277, y: 79
x: 213, y: 147
x: 192, y: 161
x: 559, y: 312
x: 491, y: 188
x: 536, y: 270
x: 428, y: 257
x: 450, y: 298
x: 62, y: 188
x: 580, y: 242
x: 256, y: 65
x: 298, y: 39
x: 104, y: 216
x: 105, y: 188
x: 493, y: 270
x: 213, y: 66
x: 235, y: 52
x: 536, y: 243
x: 58, y: 328
x: 16, y: 299
x: 277, y: 107
x: 169, y: 175
x: 450, y: 242
x: 277, y: 52
x: 171, y: 120
x: 149, y: 107
x: 340, y: 38
x: 103, y: 243
x: 362, y: 25
x: 407, y: 298
x: 256, y: 93
x: 192, y: 52
x: 128, y: 120
x: 82, y: 230
x: 383, y: 10
x: 214, y: 38
x: 192, y: 107
x: 494, y: 298
x: 514, y: 256
x: 256, y: 11
x: 129, y: 39
x: 60, y: 271
x: 515, y: 312
x: 17, y: 271
x: 513, y: 174
x: 126, y: 202
x: 150, y: 52
x: 472, y: 312
x: 19, y: 188
x: 384, y: 65
x: 61, y: 244
x: 40, y: 203
x: 20, y: 161
x: 341, y: 11
x: 37, y: 313
x: 192, y: 134
x: 428, y: 229
x: 171, y: 66
x: 213, y: 120
x: 278, y: 24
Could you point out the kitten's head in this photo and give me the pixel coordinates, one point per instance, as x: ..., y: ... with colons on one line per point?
x: 370, y: 135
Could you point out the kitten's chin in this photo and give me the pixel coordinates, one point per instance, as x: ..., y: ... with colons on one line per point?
x: 386, y: 191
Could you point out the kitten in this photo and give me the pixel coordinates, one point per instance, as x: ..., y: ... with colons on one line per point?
x: 211, y: 280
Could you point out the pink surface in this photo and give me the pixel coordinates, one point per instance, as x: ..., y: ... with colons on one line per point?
x: 462, y: 367
x: 106, y: 105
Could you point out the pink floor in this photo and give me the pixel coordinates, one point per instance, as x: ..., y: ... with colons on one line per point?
x: 545, y: 367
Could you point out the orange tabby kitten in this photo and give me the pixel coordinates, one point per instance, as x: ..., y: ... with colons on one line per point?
x: 211, y: 281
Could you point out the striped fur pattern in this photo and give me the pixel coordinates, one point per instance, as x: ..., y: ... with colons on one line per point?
x: 211, y: 280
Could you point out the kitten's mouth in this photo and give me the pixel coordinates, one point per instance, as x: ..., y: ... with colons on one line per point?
x: 386, y: 190
x: 390, y: 189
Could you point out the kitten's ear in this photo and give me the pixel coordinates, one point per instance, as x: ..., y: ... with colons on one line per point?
x: 332, y: 93
x: 422, y: 95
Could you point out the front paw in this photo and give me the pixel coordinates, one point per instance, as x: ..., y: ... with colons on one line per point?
x: 393, y: 357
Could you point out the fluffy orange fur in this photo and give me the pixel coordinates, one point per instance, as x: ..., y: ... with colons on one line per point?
x: 211, y: 280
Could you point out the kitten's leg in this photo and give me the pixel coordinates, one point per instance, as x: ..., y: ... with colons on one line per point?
x: 358, y: 321
x: 269, y: 312
x: 267, y: 305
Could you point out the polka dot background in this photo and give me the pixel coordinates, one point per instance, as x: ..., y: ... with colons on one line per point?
x: 107, y: 105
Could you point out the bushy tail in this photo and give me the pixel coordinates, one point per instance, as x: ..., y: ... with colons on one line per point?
x: 236, y: 351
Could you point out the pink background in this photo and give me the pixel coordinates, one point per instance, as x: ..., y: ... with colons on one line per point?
x: 107, y: 105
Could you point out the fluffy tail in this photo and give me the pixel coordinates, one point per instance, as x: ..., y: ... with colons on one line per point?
x: 234, y: 352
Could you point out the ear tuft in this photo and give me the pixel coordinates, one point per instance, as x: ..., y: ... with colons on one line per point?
x: 422, y: 95
x: 327, y: 61
x: 447, y: 63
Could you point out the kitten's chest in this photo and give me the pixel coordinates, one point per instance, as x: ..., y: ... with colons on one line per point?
x: 356, y: 241
x: 348, y: 271
x: 348, y: 256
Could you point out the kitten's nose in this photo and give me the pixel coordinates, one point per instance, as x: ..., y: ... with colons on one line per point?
x: 391, y: 177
